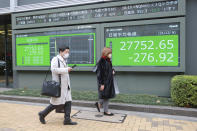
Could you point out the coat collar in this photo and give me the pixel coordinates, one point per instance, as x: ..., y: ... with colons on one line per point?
x: 60, y: 58
x: 106, y: 58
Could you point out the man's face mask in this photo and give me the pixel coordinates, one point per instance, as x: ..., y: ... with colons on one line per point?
x: 66, y: 56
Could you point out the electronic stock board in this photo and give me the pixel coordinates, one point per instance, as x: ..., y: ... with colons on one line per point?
x: 151, y: 44
x: 37, y: 49
x: 145, y: 44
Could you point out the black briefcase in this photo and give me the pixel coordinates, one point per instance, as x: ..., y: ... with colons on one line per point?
x: 52, y: 88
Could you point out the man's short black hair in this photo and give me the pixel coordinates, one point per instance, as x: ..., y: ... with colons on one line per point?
x: 62, y: 49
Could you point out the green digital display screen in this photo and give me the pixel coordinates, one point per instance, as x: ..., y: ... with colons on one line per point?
x: 153, y: 45
x: 37, y: 49
x: 33, y: 51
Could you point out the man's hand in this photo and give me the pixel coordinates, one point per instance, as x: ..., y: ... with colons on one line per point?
x: 70, y: 69
x: 102, y: 88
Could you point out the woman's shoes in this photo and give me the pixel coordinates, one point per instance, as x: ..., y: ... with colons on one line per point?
x: 97, y: 106
x: 105, y: 113
x: 108, y: 114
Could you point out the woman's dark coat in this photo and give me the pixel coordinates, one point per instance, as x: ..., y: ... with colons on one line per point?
x: 105, y: 77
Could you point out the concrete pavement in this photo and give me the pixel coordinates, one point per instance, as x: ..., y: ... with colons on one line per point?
x: 21, y: 116
x: 191, y: 112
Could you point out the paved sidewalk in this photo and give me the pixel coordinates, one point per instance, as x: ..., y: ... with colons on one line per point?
x: 168, y: 110
x: 23, y: 117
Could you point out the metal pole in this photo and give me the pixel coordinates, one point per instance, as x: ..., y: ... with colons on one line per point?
x: 6, y: 50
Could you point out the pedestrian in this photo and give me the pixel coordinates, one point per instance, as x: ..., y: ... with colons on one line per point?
x: 105, y: 81
x: 65, y: 98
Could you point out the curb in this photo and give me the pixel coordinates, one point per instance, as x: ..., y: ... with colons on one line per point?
x: 190, y: 112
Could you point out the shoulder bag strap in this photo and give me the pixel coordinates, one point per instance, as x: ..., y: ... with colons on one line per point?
x: 49, y: 70
x: 59, y: 67
x: 47, y: 73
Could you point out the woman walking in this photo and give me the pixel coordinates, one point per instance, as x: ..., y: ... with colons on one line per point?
x: 65, y: 98
x: 105, y: 81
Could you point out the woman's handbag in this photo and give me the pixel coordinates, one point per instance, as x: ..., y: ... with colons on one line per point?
x: 52, y: 88
x: 116, y: 86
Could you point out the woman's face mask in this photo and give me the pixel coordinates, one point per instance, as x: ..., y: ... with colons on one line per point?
x: 110, y: 56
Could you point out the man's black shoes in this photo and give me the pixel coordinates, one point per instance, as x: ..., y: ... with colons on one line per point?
x: 41, y: 117
x: 69, y: 122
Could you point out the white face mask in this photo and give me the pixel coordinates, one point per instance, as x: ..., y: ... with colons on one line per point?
x: 110, y: 56
x: 66, y: 56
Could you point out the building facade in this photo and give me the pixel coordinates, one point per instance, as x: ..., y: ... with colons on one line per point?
x: 151, y: 40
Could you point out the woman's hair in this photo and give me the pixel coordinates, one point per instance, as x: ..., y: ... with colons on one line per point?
x: 62, y: 49
x: 106, y: 51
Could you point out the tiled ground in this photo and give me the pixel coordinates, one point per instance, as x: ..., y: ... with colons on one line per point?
x: 21, y: 117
